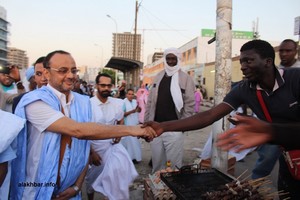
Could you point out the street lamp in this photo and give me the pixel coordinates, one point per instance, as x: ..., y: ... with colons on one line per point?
x: 116, y: 45
x: 116, y: 48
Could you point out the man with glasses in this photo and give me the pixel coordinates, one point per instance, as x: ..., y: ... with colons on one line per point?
x: 52, y: 152
x: 106, y: 175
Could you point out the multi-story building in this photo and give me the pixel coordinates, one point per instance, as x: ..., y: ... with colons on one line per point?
x: 126, y: 53
x: 3, y: 36
x: 123, y: 45
x: 17, y: 57
x: 157, y: 55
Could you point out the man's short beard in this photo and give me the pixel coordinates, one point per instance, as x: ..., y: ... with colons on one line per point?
x: 104, y: 94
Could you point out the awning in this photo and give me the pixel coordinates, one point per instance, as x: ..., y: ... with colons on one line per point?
x: 123, y: 64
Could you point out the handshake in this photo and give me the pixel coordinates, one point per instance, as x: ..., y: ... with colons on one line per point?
x: 150, y: 130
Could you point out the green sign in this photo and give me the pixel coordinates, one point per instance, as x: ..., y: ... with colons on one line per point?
x: 208, y: 32
x: 235, y: 34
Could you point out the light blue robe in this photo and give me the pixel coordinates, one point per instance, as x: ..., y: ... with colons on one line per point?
x: 132, y: 144
x: 10, y: 127
x: 80, y: 111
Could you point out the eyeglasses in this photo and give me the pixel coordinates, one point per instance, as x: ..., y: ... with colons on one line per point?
x: 104, y: 85
x: 65, y: 70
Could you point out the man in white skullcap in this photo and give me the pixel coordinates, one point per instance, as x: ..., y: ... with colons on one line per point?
x: 170, y: 98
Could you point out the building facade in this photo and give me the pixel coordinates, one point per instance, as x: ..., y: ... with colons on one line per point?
x: 17, y: 57
x: 123, y: 45
x: 3, y: 37
x: 127, y: 45
x: 198, y: 59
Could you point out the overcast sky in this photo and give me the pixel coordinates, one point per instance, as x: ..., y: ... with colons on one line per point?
x: 82, y: 27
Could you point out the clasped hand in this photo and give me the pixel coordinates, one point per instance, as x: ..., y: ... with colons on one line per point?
x: 153, y: 126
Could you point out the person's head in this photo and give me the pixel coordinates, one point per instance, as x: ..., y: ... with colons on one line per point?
x: 287, y: 52
x: 172, y: 57
x: 39, y: 74
x: 84, y: 83
x: 257, y: 59
x: 130, y: 94
x: 5, y: 79
x: 30, y: 78
x: 61, y: 71
x: 103, y: 85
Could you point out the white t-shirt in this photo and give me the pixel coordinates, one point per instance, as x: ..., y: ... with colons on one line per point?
x: 108, y: 113
x: 40, y: 116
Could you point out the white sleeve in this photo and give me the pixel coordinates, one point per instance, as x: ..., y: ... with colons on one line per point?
x: 120, y: 114
x: 41, y: 115
x: 120, y: 111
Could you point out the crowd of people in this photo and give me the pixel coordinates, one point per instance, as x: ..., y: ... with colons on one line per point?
x: 66, y: 131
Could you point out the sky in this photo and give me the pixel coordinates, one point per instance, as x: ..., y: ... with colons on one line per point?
x: 82, y: 27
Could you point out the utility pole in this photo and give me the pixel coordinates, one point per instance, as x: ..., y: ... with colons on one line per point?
x: 222, y: 75
x: 136, y: 72
x: 135, y: 29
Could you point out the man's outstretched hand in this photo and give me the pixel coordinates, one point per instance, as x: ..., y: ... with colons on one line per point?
x: 249, y: 132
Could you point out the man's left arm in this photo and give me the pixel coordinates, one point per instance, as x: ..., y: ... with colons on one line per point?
x: 188, y: 100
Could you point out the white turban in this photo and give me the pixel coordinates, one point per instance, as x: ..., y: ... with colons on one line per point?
x: 173, y: 71
x: 29, y: 72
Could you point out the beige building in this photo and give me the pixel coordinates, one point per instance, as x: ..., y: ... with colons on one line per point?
x: 127, y: 46
x: 123, y: 46
x: 17, y: 57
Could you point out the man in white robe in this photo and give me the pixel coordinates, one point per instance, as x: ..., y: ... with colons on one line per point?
x: 108, y: 178
x: 132, y: 144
